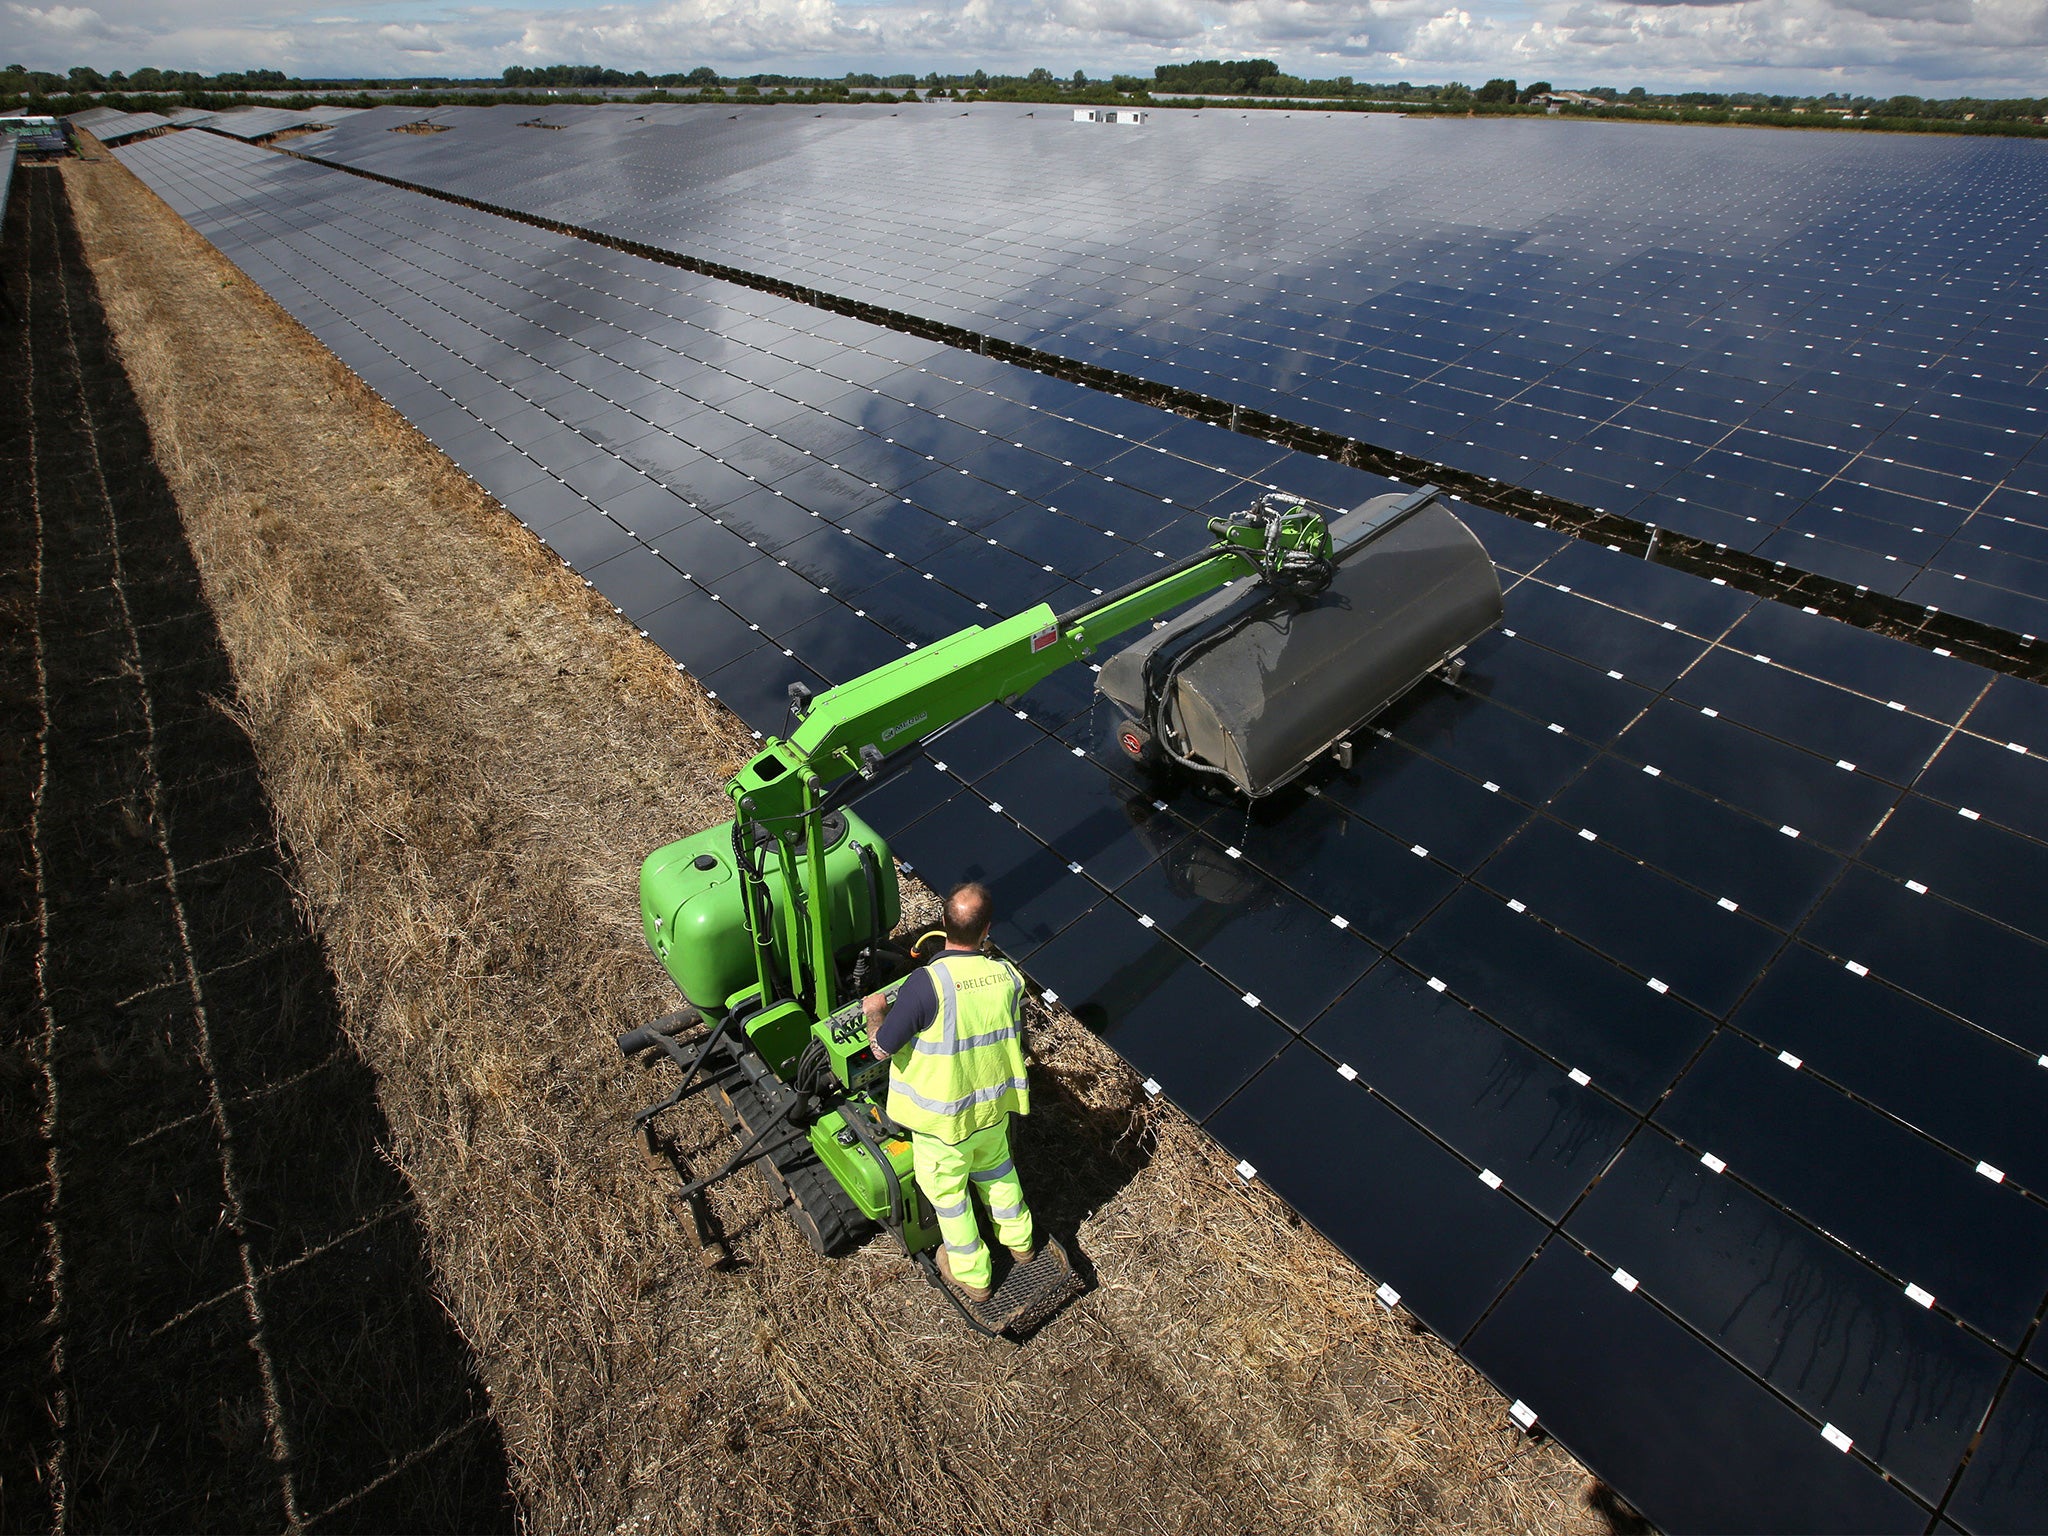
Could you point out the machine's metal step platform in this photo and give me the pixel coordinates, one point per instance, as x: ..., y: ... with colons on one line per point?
x: 1027, y: 1295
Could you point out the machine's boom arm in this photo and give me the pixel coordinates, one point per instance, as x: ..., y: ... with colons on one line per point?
x: 853, y: 728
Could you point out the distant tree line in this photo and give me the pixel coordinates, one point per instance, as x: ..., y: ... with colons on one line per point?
x: 1952, y: 109
x: 573, y: 76
x: 1246, y: 82
x: 1262, y: 77
x: 81, y: 81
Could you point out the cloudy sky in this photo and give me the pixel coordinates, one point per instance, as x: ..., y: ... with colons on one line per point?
x: 1931, y: 47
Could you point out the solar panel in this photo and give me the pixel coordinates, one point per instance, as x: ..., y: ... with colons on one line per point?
x: 1772, y: 340
x: 253, y: 123
x: 112, y: 127
x: 1652, y: 1011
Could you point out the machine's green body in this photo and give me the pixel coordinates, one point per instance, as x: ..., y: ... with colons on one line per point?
x: 695, y: 917
x: 855, y: 1169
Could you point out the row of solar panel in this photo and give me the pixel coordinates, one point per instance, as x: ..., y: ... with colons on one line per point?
x: 1877, y: 385
x: 249, y: 123
x: 253, y: 123
x: 1615, y: 895
x: 112, y: 127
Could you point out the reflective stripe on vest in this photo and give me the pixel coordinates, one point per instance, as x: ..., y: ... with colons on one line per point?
x: 965, y: 1071
x: 949, y: 1042
x: 957, y: 1106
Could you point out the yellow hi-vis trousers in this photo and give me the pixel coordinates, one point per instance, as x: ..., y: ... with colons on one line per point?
x: 948, y: 1173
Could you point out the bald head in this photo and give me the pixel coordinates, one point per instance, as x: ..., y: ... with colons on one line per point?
x: 968, y: 910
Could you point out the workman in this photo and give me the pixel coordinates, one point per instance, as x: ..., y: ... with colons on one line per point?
x: 955, y: 1032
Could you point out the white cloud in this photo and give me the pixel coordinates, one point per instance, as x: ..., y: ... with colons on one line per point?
x: 1162, y: 21
x: 412, y: 39
x: 1933, y: 46
x: 78, y: 23
x: 697, y: 30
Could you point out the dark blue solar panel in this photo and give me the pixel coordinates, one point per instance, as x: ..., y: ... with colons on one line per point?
x: 1665, y: 876
x: 1668, y: 1409
x: 1771, y: 340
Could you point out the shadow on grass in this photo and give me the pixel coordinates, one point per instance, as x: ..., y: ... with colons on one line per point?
x: 220, y: 1312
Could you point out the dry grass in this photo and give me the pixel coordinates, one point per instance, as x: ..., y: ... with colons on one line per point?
x: 469, y: 753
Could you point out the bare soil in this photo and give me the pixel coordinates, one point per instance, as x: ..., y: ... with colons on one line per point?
x: 468, y: 754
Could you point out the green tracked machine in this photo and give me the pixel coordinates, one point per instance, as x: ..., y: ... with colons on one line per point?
x: 1289, y: 633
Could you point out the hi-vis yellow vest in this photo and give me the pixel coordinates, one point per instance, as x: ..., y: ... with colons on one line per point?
x: 965, y: 1072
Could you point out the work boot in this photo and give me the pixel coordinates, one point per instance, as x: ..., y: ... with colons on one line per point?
x: 1023, y: 1255
x: 971, y: 1292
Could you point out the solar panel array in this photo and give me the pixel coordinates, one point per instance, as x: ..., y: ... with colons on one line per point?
x: 111, y: 127
x: 1654, y: 1013
x: 254, y: 123
x: 1775, y: 340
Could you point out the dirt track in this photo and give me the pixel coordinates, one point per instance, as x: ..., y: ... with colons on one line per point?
x: 468, y: 753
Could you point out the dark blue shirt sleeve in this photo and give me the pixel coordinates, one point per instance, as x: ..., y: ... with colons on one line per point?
x: 915, y: 1010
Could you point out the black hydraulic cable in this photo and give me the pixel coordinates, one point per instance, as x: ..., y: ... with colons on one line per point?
x: 857, y: 1123
x: 755, y: 893
x: 870, y: 868
x: 931, y: 1273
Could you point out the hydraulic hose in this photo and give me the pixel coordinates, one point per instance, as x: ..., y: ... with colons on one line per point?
x: 1157, y: 696
x: 813, y: 1080
x: 858, y: 1124
x: 870, y: 868
x: 754, y: 892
